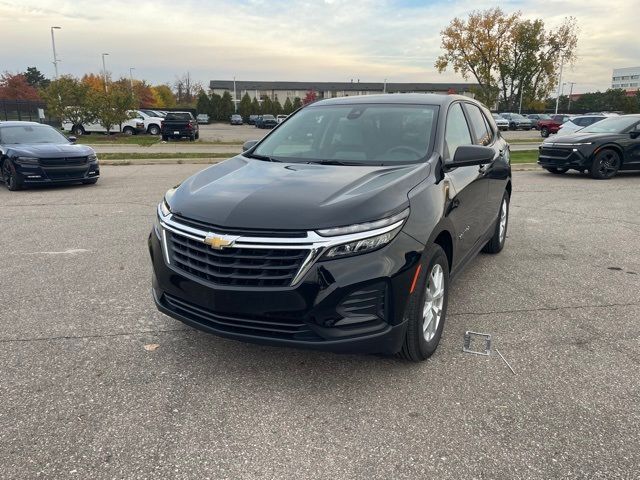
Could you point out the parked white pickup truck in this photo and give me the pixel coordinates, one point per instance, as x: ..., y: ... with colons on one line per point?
x: 132, y: 126
x: 151, y: 124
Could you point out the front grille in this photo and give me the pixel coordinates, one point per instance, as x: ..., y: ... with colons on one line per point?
x: 274, y: 327
x: 66, y: 174
x: 252, y: 267
x: 63, y: 161
x: 189, y: 222
x: 555, y: 152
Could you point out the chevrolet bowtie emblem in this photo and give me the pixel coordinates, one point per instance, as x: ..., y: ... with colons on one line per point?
x: 218, y: 242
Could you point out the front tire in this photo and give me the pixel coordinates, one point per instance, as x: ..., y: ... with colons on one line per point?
x: 496, y: 244
x: 605, y: 164
x: 10, y: 176
x: 77, y: 130
x: 544, y: 132
x: 427, y: 307
x: 128, y: 131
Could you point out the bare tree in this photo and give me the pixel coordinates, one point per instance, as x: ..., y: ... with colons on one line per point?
x: 186, y: 89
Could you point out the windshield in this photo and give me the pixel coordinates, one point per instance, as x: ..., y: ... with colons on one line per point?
x: 611, y: 125
x: 30, y: 134
x: 354, y: 134
x: 178, y: 116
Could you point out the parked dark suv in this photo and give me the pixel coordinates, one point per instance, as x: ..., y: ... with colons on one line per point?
x: 341, y: 229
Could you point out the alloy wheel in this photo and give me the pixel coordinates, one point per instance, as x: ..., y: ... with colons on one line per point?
x: 608, y: 165
x: 433, y: 303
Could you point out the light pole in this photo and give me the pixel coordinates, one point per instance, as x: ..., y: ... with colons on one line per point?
x: 559, y: 83
x: 235, y: 101
x: 104, y: 71
x: 570, y: 93
x: 131, y: 69
x: 384, y: 87
x: 521, y: 92
x: 53, y: 44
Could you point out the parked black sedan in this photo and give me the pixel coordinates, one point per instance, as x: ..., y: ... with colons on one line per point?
x: 35, y: 154
x: 601, y: 149
x: 340, y: 230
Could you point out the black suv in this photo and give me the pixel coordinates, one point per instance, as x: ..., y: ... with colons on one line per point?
x: 341, y: 229
x: 601, y: 149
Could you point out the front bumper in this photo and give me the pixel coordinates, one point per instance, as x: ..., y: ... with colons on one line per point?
x: 563, y: 157
x: 39, y: 174
x: 354, y: 304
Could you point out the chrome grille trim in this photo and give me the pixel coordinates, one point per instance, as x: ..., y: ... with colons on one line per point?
x: 315, y: 243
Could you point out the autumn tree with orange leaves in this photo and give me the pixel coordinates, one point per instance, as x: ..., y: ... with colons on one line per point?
x: 506, y: 55
x: 16, y: 87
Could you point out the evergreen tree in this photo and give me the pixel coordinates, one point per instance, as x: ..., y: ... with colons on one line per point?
x: 267, y: 106
x: 204, y: 104
x: 226, y: 107
x: 297, y: 103
x: 244, y: 109
x: 215, y: 103
x: 288, y: 107
x: 255, y: 106
x: 277, y: 108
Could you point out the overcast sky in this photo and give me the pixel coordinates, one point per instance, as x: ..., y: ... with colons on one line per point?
x: 326, y: 40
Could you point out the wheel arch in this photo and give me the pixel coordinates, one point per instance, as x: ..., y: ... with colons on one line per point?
x: 609, y: 146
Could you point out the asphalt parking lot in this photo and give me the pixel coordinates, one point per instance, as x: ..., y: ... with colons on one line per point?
x: 82, y: 398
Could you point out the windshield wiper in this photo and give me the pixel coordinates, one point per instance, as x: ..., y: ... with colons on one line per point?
x: 329, y: 162
x: 264, y: 158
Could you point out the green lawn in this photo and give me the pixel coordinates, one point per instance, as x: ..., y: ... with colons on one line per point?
x: 142, y: 140
x: 168, y: 155
x: 529, y: 156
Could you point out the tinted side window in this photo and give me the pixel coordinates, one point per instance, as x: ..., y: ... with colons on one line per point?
x: 457, y: 132
x: 479, y: 125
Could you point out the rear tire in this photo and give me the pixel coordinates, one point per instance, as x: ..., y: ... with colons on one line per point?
x: 605, y: 164
x: 427, y: 308
x: 544, y: 132
x: 556, y: 170
x: 496, y: 244
x: 153, y: 130
x: 77, y: 130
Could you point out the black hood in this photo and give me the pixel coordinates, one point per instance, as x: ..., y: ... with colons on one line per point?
x: 579, y: 137
x: 50, y: 150
x: 249, y: 193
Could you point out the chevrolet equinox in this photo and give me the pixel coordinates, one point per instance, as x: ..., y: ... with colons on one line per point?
x: 341, y: 229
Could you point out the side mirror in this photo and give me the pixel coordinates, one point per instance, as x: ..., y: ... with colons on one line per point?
x: 468, y: 155
x: 249, y: 145
x: 72, y: 139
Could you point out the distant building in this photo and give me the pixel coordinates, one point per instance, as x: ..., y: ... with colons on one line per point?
x: 626, y: 78
x: 291, y: 90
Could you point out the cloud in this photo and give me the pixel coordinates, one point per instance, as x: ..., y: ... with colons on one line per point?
x: 288, y: 40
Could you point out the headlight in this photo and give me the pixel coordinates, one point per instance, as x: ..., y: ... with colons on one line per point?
x: 364, y: 227
x: 92, y: 157
x: 578, y: 144
x: 164, y: 208
x: 361, y: 246
x: 27, y: 160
